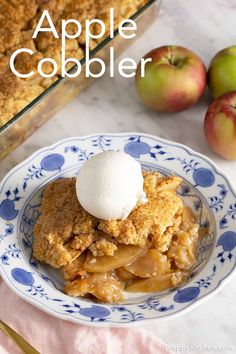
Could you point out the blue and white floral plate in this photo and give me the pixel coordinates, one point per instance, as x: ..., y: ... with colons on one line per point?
x: 205, y: 189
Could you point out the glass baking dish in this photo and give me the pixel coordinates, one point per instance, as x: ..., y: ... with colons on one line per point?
x: 36, y: 113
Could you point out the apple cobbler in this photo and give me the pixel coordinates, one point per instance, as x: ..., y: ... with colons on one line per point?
x: 151, y: 250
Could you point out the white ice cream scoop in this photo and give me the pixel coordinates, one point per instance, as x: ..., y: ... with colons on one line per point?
x: 110, y: 185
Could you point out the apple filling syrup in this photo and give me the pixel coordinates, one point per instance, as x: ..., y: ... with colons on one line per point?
x: 138, y: 269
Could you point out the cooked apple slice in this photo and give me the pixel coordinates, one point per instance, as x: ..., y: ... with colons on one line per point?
x: 123, y: 274
x: 103, y: 286
x: 74, y: 269
x: 124, y: 254
x: 168, y: 183
x: 188, y: 218
x: 157, y: 283
x: 151, y: 264
x: 183, y: 250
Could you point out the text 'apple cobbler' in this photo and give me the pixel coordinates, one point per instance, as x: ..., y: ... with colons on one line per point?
x: 18, y: 20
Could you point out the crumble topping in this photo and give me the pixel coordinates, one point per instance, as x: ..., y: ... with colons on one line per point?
x: 151, y: 218
x: 151, y: 250
x: 103, y: 247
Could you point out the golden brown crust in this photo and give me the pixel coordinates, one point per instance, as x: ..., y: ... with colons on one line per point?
x: 103, y: 247
x: 162, y: 242
x: 14, y: 17
x: 152, y: 218
x: 54, y: 230
x: 154, y: 183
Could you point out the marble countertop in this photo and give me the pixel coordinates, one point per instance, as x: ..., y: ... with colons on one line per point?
x: 111, y: 105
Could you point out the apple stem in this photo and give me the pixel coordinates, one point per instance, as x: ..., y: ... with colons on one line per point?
x: 170, y: 59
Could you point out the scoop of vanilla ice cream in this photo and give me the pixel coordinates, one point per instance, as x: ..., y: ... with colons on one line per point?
x: 110, y: 185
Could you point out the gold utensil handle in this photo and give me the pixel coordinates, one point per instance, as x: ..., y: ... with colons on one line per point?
x: 24, y: 346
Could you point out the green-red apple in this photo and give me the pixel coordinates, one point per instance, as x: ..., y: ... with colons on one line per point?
x: 173, y: 81
x: 220, y: 125
x: 221, y: 75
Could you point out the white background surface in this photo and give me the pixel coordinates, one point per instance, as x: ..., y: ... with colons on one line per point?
x: 111, y: 105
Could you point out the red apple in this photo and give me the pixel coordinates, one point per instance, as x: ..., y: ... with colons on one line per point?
x: 220, y: 125
x: 222, y: 72
x: 174, y: 80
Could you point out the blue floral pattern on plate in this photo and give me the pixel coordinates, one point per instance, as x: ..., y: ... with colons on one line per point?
x: 49, y: 163
x: 205, y: 189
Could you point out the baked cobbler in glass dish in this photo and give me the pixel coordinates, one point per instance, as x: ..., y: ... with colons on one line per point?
x: 18, y: 20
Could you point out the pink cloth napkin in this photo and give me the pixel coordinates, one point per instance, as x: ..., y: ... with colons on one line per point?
x: 50, y: 335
